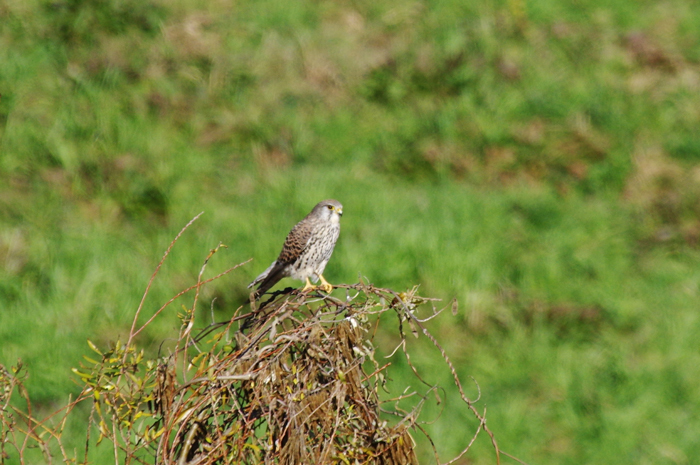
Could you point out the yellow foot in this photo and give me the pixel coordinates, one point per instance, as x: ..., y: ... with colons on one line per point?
x: 308, y: 287
x: 325, y: 285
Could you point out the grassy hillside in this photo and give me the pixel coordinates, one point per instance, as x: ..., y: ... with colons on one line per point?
x: 537, y: 161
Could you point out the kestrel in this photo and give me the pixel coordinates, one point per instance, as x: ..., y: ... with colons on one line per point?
x: 306, y: 250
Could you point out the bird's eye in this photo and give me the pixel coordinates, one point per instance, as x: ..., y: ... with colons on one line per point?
x: 330, y: 207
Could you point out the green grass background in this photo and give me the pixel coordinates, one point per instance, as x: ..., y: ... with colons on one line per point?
x: 539, y: 161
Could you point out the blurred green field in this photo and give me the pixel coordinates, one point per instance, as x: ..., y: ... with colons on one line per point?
x: 538, y: 161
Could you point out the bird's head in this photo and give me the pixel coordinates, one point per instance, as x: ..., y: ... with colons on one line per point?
x: 329, y: 210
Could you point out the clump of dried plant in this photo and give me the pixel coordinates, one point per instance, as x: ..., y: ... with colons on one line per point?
x: 291, y: 380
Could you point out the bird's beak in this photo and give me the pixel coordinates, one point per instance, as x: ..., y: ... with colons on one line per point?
x: 340, y: 211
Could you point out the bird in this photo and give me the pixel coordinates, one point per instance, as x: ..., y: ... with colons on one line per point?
x: 306, y: 250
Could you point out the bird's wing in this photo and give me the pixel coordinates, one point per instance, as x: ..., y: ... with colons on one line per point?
x: 297, y: 240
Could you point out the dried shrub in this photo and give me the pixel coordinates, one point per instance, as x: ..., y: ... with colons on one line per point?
x: 294, y: 380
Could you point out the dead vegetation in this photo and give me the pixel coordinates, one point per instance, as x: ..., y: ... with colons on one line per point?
x: 293, y: 381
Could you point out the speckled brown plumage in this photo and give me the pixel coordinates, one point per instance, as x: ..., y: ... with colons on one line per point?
x: 306, y: 250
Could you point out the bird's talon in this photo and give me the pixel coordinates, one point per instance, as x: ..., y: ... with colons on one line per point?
x: 308, y: 286
x: 325, y: 285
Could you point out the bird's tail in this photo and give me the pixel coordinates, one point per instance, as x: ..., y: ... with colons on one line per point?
x: 267, y: 279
